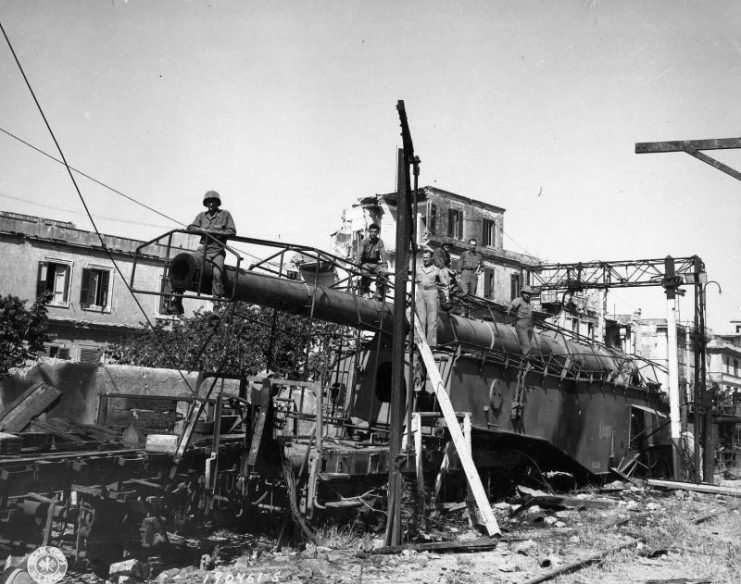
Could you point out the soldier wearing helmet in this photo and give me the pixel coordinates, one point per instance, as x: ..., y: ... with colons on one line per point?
x: 215, y: 225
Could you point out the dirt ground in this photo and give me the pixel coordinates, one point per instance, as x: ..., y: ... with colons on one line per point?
x: 635, y: 534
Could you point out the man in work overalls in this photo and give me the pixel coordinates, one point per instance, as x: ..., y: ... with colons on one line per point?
x: 522, y: 311
x: 430, y: 280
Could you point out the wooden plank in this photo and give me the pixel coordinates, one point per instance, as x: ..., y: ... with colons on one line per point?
x: 96, y: 429
x: 19, y: 400
x: 417, y: 434
x: 558, y: 502
x: 443, y: 400
x: 715, y: 163
x: 447, y: 546
x: 579, y: 564
x: 32, y: 402
x: 693, y: 487
x: 53, y: 429
x: 684, y: 145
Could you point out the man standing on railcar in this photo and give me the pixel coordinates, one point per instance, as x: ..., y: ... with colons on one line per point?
x: 430, y: 280
x: 216, y: 226
x: 522, y: 311
x: 470, y: 265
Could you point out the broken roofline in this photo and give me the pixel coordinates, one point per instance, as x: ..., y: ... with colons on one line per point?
x: 49, y: 230
x: 390, y: 199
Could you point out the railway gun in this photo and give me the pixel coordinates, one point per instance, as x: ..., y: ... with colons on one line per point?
x: 308, y: 447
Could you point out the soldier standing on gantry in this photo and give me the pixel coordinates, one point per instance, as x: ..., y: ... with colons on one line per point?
x: 215, y: 225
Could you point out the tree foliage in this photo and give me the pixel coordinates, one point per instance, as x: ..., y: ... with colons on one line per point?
x: 22, y: 331
x: 242, y: 342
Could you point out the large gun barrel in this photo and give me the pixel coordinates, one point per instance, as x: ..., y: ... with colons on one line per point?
x: 190, y: 272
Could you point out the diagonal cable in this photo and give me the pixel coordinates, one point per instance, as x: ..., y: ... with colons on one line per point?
x: 84, y: 204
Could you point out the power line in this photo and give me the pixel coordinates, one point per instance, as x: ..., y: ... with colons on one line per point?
x: 82, y: 199
x: 80, y: 172
x: 106, y: 186
x: 47, y: 206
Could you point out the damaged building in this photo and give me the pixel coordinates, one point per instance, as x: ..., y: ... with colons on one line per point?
x: 446, y: 217
x: 443, y: 217
x: 89, y: 304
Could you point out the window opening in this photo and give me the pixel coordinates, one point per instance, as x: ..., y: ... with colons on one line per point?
x: 514, y: 286
x: 432, y: 220
x: 488, y: 283
x: 489, y: 234
x: 53, y: 280
x: 90, y: 354
x: 95, y: 288
x: 455, y: 223
x: 58, y: 352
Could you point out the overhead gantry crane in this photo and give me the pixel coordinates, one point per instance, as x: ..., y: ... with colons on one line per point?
x: 668, y: 272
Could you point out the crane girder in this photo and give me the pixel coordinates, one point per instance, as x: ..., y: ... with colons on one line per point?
x: 618, y: 274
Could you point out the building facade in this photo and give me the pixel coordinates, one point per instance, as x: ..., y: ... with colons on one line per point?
x: 724, y: 364
x: 89, y: 301
x: 648, y: 338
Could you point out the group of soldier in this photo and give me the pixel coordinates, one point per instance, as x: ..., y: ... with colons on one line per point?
x: 435, y: 278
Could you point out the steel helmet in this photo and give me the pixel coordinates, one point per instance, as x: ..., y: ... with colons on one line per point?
x: 211, y: 195
x: 527, y: 290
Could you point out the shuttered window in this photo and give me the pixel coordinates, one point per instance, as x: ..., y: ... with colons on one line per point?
x: 53, y: 282
x: 89, y: 354
x: 94, y: 292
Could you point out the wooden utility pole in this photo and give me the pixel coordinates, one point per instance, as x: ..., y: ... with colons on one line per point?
x: 398, y: 349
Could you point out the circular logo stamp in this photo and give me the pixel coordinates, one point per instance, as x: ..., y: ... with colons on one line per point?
x: 47, y: 565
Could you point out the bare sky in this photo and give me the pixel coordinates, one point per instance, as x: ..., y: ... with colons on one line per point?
x: 287, y: 108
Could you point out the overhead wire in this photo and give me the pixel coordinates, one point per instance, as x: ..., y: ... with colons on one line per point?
x: 47, y: 206
x: 82, y: 199
x: 108, y: 187
x: 80, y: 172
x: 116, y: 191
